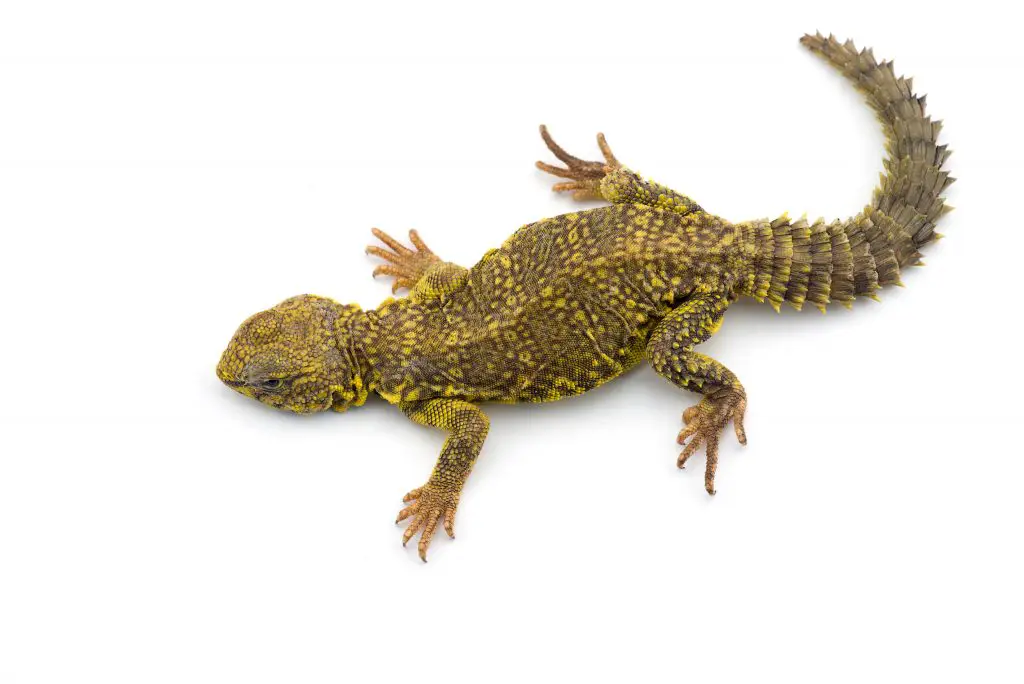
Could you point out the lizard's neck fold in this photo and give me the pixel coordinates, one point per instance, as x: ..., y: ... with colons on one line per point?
x: 363, y: 373
x: 356, y: 378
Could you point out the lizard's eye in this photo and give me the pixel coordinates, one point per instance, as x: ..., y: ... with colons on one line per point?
x: 271, y: 384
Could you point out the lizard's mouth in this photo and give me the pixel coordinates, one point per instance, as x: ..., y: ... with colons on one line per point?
x: 228, y: 378
x: 227, y: 375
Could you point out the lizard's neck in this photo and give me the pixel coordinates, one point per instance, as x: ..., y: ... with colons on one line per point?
x: 357, y: 376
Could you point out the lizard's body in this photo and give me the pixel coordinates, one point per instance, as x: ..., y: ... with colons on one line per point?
x: 571, y: 302
x: 564, y: 305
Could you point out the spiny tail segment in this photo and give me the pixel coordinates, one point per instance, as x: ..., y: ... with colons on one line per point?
x: 911, y: 187
x: 821, y: 262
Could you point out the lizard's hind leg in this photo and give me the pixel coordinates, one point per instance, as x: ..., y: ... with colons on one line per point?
x: 670, y: 352
x: 610, y: 180
x: 585, y: 176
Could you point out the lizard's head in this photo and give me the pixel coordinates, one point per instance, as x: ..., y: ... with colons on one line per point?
x: 299, y: 356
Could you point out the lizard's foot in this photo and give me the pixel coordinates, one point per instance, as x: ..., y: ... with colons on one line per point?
x: 585, y: 176
x: 705, y: 423
x: 406, y: 266
x: 427, y: 505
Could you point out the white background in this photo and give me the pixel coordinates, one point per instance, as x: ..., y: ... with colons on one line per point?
x: 167, y: 169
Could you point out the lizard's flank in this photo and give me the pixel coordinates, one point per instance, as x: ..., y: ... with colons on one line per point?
x: 571, y: 302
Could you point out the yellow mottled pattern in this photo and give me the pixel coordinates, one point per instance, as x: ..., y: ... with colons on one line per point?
x: 571, y: 302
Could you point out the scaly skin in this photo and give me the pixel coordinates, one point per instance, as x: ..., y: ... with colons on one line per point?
x: 571, y: 302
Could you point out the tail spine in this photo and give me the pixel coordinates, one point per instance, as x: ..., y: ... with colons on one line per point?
x: 821, y: 262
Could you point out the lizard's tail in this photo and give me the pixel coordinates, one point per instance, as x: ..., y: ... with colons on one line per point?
x: 820, y: 262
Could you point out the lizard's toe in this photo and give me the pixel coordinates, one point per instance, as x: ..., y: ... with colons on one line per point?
x: 705, y: 423
x: 427, y: 506
x: 405, y: 265
x: 585, y: 176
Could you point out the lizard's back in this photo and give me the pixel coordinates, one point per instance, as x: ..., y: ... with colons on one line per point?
x: 568, y: 303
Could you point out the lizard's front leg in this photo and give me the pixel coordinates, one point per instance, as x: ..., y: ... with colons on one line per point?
x: 419, y: 270
x: 670, y: 352
x: 405, y: 265
x: 437, y: 500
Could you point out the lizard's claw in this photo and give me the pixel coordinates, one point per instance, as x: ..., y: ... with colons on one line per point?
x: 585, y: 176
x: 427, y: 505
x: 405, y: 265
x: 704, y: 425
